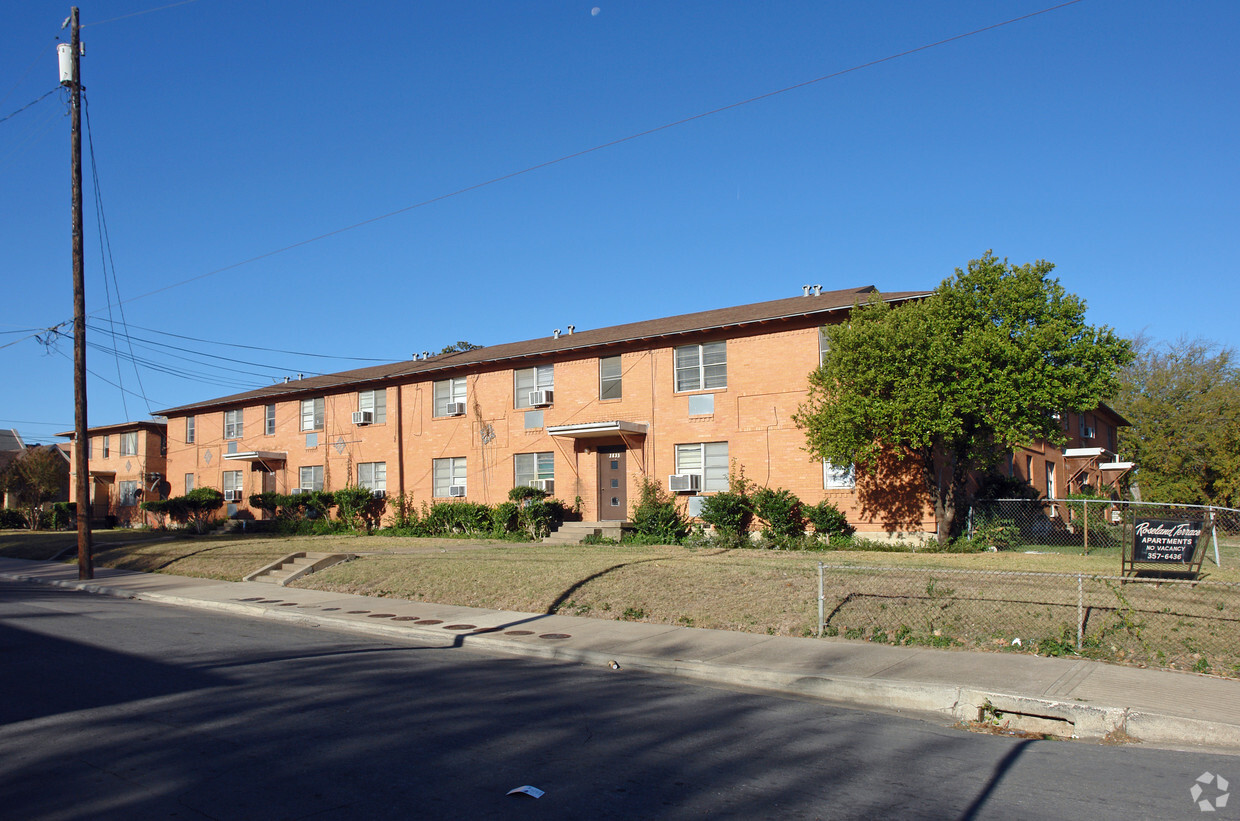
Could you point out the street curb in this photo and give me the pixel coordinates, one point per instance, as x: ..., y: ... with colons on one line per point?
x: 956, y: 703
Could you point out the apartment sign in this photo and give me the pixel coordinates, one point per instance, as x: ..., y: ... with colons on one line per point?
x: 1163, y: 540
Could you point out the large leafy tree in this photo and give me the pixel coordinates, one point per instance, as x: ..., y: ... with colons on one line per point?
x: 1183, y: 400
x: 957, y: 379
x: 35, y: 477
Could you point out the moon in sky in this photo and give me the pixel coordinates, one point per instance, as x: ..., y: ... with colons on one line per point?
x: 594, y: 11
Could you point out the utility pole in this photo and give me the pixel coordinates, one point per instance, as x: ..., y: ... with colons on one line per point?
x: 81, y: 442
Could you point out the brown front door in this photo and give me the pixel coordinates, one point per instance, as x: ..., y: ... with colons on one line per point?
x: 613, y: 503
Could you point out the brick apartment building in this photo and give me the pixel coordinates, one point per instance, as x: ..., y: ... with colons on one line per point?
x: 127, y: 464
x: 583, y: 413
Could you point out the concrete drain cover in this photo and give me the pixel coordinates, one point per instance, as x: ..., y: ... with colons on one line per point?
x: 357, y: 612
x: 488, y: 629
x: 459, y: 626
x: 431, y: 621
x: 381, y: 615
x: 555, y: 636
x: 270, y: 601
x: 519, y: 633
x: 289, y: 604
x: 255, y: 598
x: 405, y: 618
x: 328, y: 609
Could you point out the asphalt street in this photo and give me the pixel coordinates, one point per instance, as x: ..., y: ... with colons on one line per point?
x: 123, y: 709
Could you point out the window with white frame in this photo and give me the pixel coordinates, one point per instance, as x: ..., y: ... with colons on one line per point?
x: 824, y: 345
x: 838, y: 477
x: 269, y: 420
x: 609, y: 378
x: 190, y: 422
x: 233, y: 426
x: 702, y: 367
x: 372, y: 475
x: 1050, y: 480
x: 129, y: 444
x: 446, y: 474
x: 189, y: 482
x: 449, y: 393
x: 127, y: 494
x: 540, y: 378
x: 310, y: 477
x: 706, y: 459
x: 526, y: 467
x: 374, y: 401
x: 233, y: 482
x: 312, y: 414
x: 105, y: 447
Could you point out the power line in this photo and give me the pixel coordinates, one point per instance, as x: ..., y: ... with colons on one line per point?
x: 29, y: 104
x: 137, y: 13
x: 259, y: 348
x: 29, y: 68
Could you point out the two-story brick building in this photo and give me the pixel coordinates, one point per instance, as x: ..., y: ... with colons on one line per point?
x: 583, y: 413
x: 127, y: 464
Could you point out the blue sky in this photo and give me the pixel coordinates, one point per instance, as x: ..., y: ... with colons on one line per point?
x: 1100, y: 136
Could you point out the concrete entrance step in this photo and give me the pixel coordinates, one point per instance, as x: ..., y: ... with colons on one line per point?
x: 575, y: 532
x: 296, y: 565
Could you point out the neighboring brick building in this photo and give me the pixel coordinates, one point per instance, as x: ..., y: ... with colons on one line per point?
x: 584, y: 413
x: 127, y: 464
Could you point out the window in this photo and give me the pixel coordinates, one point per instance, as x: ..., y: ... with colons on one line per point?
x: 708, y: 460
x: 1029, y: 469
x: 189, y: 482
x: 310, y: 478
x: 702, y: 367
x: 609, y: 378
x: 1050, y: 480
x: 447, y: 473
x: 127, y: 493
x: 233, y: 426
x: 541, y: 378
x: 372, y: 475
x: 129, y: 444
x: 269, y: 423
x: 838, y: 478
x: 106, y: 449
x: 189, y: 429
x: 526, y: 467
x: 1011, y: 465
x: 312, y: 414
x: 232, y: 481
x: 375, y: 402
x: 824, y: 345
x: 449, y: 392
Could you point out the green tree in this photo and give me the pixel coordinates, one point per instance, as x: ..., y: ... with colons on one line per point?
x: 1183, y: 400
x: 462, y: 345
x: 955, y: 380
x: 33, y: 478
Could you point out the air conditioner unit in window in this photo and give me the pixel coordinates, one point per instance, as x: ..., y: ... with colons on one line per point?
x: 363, y: 417
x: 456, y: 490
x: 540, y: 398
x: 232, y: 496
x: 684, y: 482
x: 297, y: 491
x: 543, y: 484
x: 378, y: 494
x: 456, y: 409
x: 1088, y: 433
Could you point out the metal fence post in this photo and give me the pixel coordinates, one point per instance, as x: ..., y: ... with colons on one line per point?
x: 1080, y: 611
x: 1214, y: 536
x: 820, y: 600
x: 1086, y: 507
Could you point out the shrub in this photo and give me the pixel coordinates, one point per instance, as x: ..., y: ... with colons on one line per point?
x: 404, y: 512
x: 12, y: 519
x: 731, y: 511
x: 827, y: 518
x: 506, y: 518
x: 656, y: 514
x: 358, y: 508
x: 523, y: 493
x: 540, y: 517
x: 781, y: 510
x: 64, y: 515
x: 445, y: 518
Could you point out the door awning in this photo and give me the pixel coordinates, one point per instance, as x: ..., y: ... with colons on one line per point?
x: 592, y: 430
x: 258, y: 456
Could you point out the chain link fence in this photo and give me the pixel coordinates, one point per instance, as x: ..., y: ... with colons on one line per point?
x: 1057, y: 525
x: 1175, y: 624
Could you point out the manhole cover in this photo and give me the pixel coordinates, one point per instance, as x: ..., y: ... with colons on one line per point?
x: 328, y: 609
x: 488, y: 629
x: 431, y: 621
x: 381, y: 615
x: 289, y: 604
x: 459, y: 626
x: 255, y: 598
x: 405, y: 618
x: 555, y: 636
x: 357, y: 612
x: 269, y: 601
x: 519, y: 633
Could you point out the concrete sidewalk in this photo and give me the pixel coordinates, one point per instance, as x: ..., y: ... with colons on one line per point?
x: 1084, y: 699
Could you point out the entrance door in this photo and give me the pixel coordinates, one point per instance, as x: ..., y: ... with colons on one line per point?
x: 613, y: 503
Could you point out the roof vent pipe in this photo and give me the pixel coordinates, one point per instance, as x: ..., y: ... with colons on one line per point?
x: 555, y: 334
x: 571, y: 328
x: 804, y: 290
x: 299, y: 377
x: 426, y: 354
x: 817, y: 290
x: 286, y: 380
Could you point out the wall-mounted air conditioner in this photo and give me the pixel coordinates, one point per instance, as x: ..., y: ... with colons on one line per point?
x: 456, y: 490
x: 543, y: 484
x: 297, y: 491
x: 232, y: 496
x: 378, y: 494
x: 456, y: 409
x: 363, y: 417
x: 541, y: 398
x: 684, y: 483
